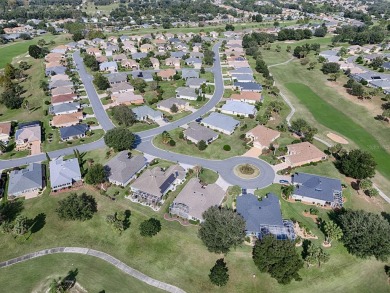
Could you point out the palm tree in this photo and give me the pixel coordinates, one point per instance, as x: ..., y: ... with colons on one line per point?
x: 332, y: 232
x: 288, y: 190
x: 197, y: 170
x: 3, y: 146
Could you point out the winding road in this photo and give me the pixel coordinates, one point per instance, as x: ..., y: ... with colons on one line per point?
x: 101, y: 255
x: 144, y: 138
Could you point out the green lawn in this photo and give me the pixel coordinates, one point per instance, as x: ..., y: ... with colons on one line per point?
x: 36, y: 275
x: 336, y: 120
x: 209, y: 76
x: 208, y: 176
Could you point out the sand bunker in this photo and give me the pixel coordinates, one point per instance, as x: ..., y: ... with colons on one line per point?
x: 337, y: 138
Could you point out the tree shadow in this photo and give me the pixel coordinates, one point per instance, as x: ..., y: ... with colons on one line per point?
x: 69, y: 280
x: 10, y: 210
x: 38, y: 223
x: 305, y: 246
x: 386, y: 216
x: 126, y: 222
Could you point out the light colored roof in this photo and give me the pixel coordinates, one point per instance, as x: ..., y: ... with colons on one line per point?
x: 199, y: 132
x: 221, y: 121
x: 195, y: 82
x: 5, y: 128
x: 155, y: 181
x: 253, y: 96
x: 239, y: 107
x: 67, y: 118
x: 25, y: 179
x: 64, y: 171
x: 167, y: 73
x: 123, y: 86
x: 65, y: 107
x: 263, y: 135
x: 61, y: 91
x: 144, y: 111
x: 304, y: 151
x: 170, y: 102
x: 199, y: 198
x: 121, y: 168
x: 29, y: 133
x: 186, y: 91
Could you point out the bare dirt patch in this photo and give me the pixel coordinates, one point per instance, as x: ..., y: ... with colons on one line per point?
x: 308, y: 215
x: 337, y: 138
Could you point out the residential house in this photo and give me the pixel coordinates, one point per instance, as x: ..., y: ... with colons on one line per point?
x: 73, y: 132
x: 60, y: 83
x: 123, y: 168
x: 26, y: 182
x: 303, y: 153
x: 196, y: 198
x: 196, y: 132
x: 66, y: 119
x: 5, y: 131
x: 138, y: 55
x: 55, y: 70
x: 178, y: 55
x: 59, y: 77
x: 153, y: 184
x: 145, y: 75
x: 247, y: 97
x: 221, y: 122
x: 119, y: 57
x: 64, y: 173
x: 65, y: 108
x: 28, y: 136
x: 146, y: 48
x: 264, y: 217
x: 242, y: 78
x: 155, y: 63
x: 186, y: 93
x: 118, y: 88
x: 248, y: 87
x: 166, y: 74
x: 130, y: 64
x: 195, y: 83
x: 172, y: 61
x: 166, y: 105
x: 60, y: 99
x: 195, y: 62
x: 188, y: 73
x: 110, y: 66
x: 143, y: 113
x: 59, y: 91
x: 317, y: 190
x: 117, y: 78
x: 94, y: 52
x: 127, y: 98
x: 262, y: 136
x: 243, y: 70
x: 238, y: 108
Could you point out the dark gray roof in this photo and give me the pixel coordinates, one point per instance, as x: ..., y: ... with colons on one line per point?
x: 138, y: 55
x: 199, y: 132
x: 197, y: 82
x: 117, y: 77
x: 145, y: 75
x: 257, y: 213
x: 189, y: 73
x: 25, y: 179
x: 56, y: 70
x: 74, y: 130
x: 179, y: 54
x: 248, y: 86
x: 314, y: 186
x: 121, y: 168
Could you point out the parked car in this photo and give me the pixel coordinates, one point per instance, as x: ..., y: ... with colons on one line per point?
x: 283, y: 181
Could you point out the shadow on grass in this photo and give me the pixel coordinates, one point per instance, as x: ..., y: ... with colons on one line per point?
x: 38, y: 223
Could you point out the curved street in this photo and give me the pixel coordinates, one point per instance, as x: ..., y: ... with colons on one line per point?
x: 223, y: 167
x: 101, y: 255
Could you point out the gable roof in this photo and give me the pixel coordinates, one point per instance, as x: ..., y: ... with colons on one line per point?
x: 145, y: 111
x: 199, y: 132
x: 65, y: 107
x: 239, y: 107
x: 195, y: 82
x: 5, y: 128
x: 252, y: 96
x: 117, y: 77
x: 74, y: 130
x: 248, y: 86
x: 170, y: 102
x: 186, y: 91
x: 63, y: 98
x: 264, y: 135
x: 121, y: 168
x: 189, y: 73
x: 25, y: 179
x: 221, y: 121
x: 303, y: 151
x: 63, y: 172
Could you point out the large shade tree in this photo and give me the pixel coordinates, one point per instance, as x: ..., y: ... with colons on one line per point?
x: 219, y: 273
x: 77, y: 207
x: 357, y: 164
x: 119, y: 139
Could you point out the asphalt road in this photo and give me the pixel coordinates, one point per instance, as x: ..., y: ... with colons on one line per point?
x: 223, y: 167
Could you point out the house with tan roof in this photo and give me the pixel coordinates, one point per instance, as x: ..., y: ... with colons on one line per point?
x: 303, y: 153
x: 167, y: 74
x: 172, y: 61
x: 127, y: 98
x: 166, y: 105
x: 94, y: 52
x: 67, y: 119
x: 59, y: 77
x: 247, y: 97
x: 54, y: 56
x: 262, y: 136
x: 153, y: 184
x: 28, y: 137
x: 61, y: 91
x: 146, y: 48
x: 155, y: 63
x: 123, y: 87
x: 130, y: 64
x: 5, y: 131
x: 195, y: 199
x: 119, y: 57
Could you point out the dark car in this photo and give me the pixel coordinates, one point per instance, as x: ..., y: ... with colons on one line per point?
x: 284, y: 181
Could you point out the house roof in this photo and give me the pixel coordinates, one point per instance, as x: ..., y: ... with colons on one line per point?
x: 170, y: 102
x: 248, y: 86
x: 63, y: 98
x: 155, y: 181
x: 25, y: 179
x: 314, y: 186
x: 65, y: 107
x: 199, y: 198
x: 74, y: 130
x: 108, y: 64
x: 221, y: 121
x: 145, y: 111
x: 117, y: 77
x: 239, y: 107
x: 264, y: 135
x: 253, y: 96
x: 197, y: 82
x: 5, y: 128
x: 178, y: 54
x: 61, y: 91
x: 121, y: 168
x: 243, y: 77
x: 59, y: 83
x: 186, y: 91
x: 29, y: 133
x: 302, y: 152
x: 257, y: 213
x: 145, y: 75
x: 199, y: 132
x: 242, y: 70
x: 127, y: 97
x: 167, y: 73
x: 189, y: 73
x: 123, y: 86
x: 67, y: 118
x: 138, y: 55
x: 64, y: 171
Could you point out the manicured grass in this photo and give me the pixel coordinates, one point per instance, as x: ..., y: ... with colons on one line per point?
x: 208, y: 176
x: 57, y: 144
x: 336, y: 120
x: 213, y: 150
x: 209, y: 76
x: 36, y: 275
x: 139, y: 126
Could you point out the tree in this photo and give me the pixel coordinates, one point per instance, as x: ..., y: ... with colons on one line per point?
x: 316, y: 255
x: 77, y: 207
x: 124, y: 115
x: 77, y: 36
x: 278, y: 258
x: 21, y: 225
x: 357, y: 164
x: 139, y: 84
x: 95, y: 174
x: 365, y: 234
x: 202, y: 145
x: 365, y: 184
x: 332, y: 232
x: 174, y: 108
x: 287, y: 190
x: 320, y: 32
x: 150, y: 227
x: 357, y: 90
x: 119, y: 139
x: 101, y: 82
x: 165, y: 137
x: 229, y: 27
x: 35, y: 51
x: 330, y: 67
x: 221, y: 230
x: 258, y: 18
x: 334, y: 76
x: 372, y: 192
x: 219, y: 273
x: 91, y: 62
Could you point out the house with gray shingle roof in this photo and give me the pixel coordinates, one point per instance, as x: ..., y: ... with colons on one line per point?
x: 189, y: 73
x: 116, y: 78
x: 28, y: 181
x: 143, y: 113
x: 238, y: 108
x: 123, y: 168
x: 317, y: 189
x: 248, y: 86
x: 195, y: 83
x: 264, y: 217
x: 73, y: 131
x: 166, y: 105
x: 108, y: 66
x: 186, y: 93
x: 64, y: 108
x: 221, y: 122
x: 196, y: 132
x: 64, y: 173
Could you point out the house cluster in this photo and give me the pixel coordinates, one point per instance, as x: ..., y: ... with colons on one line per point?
x: 65, y: 107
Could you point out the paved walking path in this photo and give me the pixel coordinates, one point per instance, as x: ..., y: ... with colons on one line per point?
x: 103, y: 256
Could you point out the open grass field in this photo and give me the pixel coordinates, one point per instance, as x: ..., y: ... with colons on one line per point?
x: 36, y: 275
x: 175, y: 255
